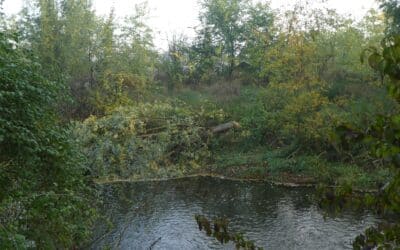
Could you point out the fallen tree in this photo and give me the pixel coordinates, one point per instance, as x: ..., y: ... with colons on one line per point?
x: 225, y: 127
x: 147, y: 140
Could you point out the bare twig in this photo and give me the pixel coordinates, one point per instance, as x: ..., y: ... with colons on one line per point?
x: 154, y: 243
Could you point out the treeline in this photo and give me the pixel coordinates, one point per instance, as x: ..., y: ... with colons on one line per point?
x: 106, y: 61
x: 252, y: 42
x: 99, y: 60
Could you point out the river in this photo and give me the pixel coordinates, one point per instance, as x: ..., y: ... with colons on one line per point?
x: 160, y: 215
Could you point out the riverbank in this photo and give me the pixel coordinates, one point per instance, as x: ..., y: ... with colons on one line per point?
x: 263, y: 164
x: 262, y: 149
x: 292, y: 182
x: 172, y: 138
x: 111, y: 180
x: 276, y: 165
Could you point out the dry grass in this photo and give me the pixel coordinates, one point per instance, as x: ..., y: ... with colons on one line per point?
x: 224, y: 90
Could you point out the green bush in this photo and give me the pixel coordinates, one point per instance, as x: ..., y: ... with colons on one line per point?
x: 147, y: 140
x: 45, y: 200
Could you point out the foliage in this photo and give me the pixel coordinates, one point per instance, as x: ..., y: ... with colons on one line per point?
x: 45, y: 200
x: 126, y: 61
x: 315, y: 81
x: 392, y: 11
x: 382, y: 137
x: 101, y: 60
x: 219, y: 229
x: 173, y: 64
x: 389, y: 239
x: 230, y: 42
x: 224, y: 17
x: 147, y: 140
x: 258, y: 32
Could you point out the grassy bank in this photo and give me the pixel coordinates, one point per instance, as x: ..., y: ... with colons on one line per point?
x: 258, y: 150
x: 273, y: 165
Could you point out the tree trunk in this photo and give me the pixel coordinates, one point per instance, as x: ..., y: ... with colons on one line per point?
x: 225, y: 127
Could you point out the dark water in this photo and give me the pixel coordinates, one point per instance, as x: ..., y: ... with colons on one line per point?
x: 162, y: 214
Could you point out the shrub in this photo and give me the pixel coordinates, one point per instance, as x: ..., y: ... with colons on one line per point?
x: 45, y: 200
x: 146, y: 140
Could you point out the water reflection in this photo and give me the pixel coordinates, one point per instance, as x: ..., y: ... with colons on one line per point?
x: 161, y: 215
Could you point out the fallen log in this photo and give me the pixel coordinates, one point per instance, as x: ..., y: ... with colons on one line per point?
x: 225, y: 127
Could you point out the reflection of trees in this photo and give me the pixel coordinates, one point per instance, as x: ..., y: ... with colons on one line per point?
x: 250, y: 207
x: 214, y: 196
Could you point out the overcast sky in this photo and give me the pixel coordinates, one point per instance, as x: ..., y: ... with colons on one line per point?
x: 179, y: 16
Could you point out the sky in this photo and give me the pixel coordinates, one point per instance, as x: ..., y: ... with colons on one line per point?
x: 168, y: 17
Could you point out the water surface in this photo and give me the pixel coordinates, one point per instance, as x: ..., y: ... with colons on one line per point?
x: 161, y: 215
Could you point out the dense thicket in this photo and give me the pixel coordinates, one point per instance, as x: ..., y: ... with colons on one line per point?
x: 44, y: 196
x: 100, y: 61
x: 383, y: 139
x: 157, y: 140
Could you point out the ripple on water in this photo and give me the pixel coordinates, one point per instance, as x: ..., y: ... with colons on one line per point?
x: 162, y: 214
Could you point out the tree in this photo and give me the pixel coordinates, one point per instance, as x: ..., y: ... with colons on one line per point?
x: 174, y: 62
x: 77, y: 57
x: 49, y: 45
x: 258, y: 33
x: 136, y: 43
x: 391, y: 8
x: 205, y: 56
x: 225, y: 20
x: 125, y: 61
x: 61, y: 33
